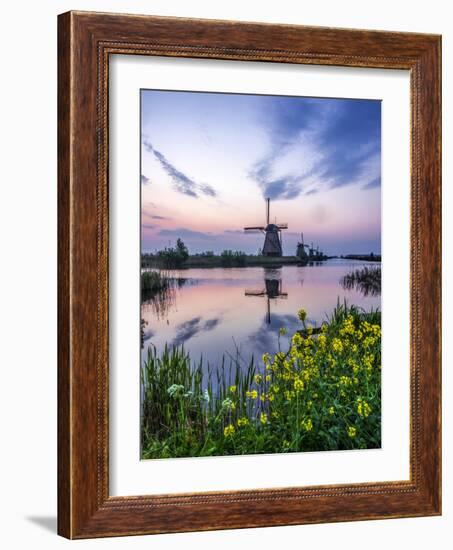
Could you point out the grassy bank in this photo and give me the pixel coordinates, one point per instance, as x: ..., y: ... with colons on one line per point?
x: 322, y: 393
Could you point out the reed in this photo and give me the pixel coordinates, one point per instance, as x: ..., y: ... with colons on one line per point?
x: 367, y: 280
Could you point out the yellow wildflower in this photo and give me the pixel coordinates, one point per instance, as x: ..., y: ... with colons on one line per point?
x: 298, y: 385
x: 322, y: 340
x: 352, y: 432
x: 263, y: 418
x: 289, y: 395
x: 244, y: 421
x: 337, y: 345
x: 331, y: 411
x: 363, y: 408
x: 307, y: 425
x: 302, y: 314
x: 253, y: 394
x: 233, y: 389
x: 229, y: 430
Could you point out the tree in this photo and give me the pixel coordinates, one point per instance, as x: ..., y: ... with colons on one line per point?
x: 182, y: 250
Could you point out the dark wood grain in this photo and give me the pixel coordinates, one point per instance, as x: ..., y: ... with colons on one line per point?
x: 85, y: 42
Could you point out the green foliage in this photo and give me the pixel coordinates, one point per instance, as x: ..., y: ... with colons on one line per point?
x: 323, y: 393
x: 173, y: 258
x: 230, y: 258
x: 154, y: 281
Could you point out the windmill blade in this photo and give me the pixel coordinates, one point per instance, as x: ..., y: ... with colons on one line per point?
x: 249, y: 292
x: 282, y: 225
x: 254, y: 228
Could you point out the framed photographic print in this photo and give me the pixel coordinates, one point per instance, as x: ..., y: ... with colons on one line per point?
x: 249, y: 275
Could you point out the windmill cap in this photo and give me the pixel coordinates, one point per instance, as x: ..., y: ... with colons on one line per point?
x: 272, y: 227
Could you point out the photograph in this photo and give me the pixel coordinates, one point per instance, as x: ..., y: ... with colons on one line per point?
x: 260, y: 274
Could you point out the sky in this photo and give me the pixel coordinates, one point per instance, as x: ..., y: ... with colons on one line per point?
x: 209, y: 160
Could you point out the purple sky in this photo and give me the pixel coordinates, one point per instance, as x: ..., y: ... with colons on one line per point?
x: 209, y: 160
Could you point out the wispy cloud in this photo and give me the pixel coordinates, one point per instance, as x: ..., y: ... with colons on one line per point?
x: 182, y: 183
x: 319, y: 144
x: 373, y: 184
x: 185, y: 233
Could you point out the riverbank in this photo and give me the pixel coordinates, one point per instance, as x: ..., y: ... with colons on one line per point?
x: 322, y: 393
x: 203, y: 261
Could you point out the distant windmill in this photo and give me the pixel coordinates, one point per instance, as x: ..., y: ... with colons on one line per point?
x: 301, y: 247
x: 273, y: 234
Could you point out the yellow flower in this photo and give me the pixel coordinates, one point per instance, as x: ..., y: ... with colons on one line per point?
x: 337, y: 345
x: 253, y: 394
x: 302, y: 314
x: 244, y: 421
x: 322, y: 340
x: 262, y: 397
x: 263, y: 418
x: 352, y: 432
x: 229, y: 430
x: 233, y: 389
x: 282, y: 331
x: 274, y: 414
x: 331, y: 411
x: 363, y: 408
x: 289, y: 395
x: 307, y: 425
x: 298, y: 384
x: 268, y: 378
x: 258, y: 378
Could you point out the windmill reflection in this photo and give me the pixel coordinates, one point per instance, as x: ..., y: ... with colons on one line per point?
x: 272, y: 290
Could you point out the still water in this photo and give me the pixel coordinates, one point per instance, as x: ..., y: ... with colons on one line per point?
x: 225, y: 312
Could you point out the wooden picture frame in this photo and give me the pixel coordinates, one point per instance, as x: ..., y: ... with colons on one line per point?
x: 85, y: 42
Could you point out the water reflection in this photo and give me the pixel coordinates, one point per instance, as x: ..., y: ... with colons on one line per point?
x: 161, y: 301
x: 272, y: 290
x: 366, y: 280
x: 226, y: 312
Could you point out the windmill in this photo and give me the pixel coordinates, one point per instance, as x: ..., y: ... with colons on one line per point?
x: 271, y: 291
x: 301, y: 247
x: 273, y: 234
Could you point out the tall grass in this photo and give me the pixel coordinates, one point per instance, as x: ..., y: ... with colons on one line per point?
x: 322, y: 393
x: 367, y: 280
